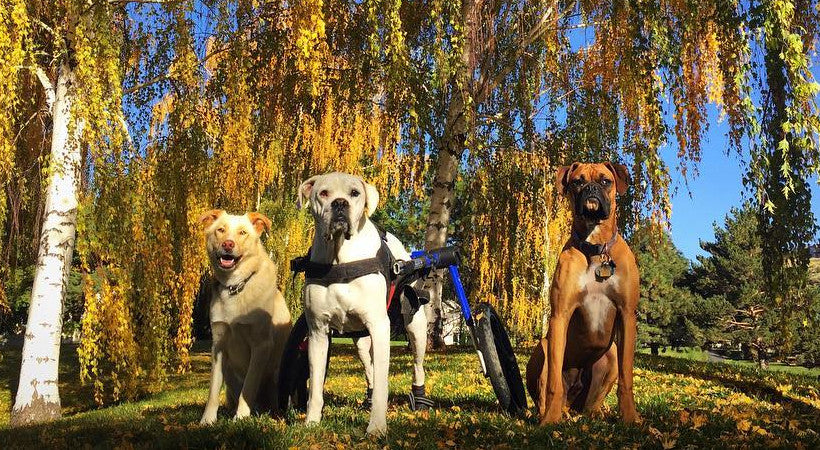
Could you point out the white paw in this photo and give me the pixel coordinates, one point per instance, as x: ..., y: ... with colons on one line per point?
x: 377, y: 429
x: 242, y: 412
x: 208, y: 418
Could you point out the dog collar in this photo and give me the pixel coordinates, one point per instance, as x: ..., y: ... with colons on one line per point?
x: 234, y: 289
x: 591, y: 250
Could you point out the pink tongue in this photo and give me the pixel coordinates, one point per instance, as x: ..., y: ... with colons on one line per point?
x: 224, y: 262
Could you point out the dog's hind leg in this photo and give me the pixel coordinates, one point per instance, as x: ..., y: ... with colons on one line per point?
x: 416, y: 326
x: 253, y: 378
x: 233, y: 386
x: 365, y: 350
x: 604, y: 376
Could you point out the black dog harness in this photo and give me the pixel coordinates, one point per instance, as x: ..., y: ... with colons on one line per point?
x: 327, y: 274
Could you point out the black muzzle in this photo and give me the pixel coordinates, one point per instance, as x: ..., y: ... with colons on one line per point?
x: 339, y: 219
x: 591, y: 202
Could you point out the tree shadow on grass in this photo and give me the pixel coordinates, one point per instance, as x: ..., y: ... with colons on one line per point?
x: 728, y: 376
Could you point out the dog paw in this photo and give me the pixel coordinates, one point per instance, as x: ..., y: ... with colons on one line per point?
x: 208, y: 419
x: 377, y: 429
x: 631, y: 417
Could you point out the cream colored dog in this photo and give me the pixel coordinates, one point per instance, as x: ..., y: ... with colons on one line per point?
x: 250, y: 321
x: 341, y: 205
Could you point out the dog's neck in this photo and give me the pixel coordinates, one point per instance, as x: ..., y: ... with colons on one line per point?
x: 596, y: 233
x: 340, y: 250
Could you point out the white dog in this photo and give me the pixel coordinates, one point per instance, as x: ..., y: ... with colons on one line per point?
x: 341, y: 205
x: 250, y: 321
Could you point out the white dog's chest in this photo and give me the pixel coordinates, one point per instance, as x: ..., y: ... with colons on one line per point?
x: 597, y: 304
x: 347, y: 306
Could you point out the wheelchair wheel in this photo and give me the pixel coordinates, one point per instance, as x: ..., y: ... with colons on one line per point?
x: 294, y: 370
x: 502, y: 368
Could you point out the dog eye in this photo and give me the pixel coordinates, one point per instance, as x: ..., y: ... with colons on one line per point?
x: 354, y: 193
x: 606, y: 182
x: 242, y: 232
x: 323, y: 193
x: 221, y: 229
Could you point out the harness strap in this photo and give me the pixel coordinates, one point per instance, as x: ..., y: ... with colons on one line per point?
x: 327, y: 274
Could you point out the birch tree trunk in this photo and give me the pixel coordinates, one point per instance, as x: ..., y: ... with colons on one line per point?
x: 441, y: 201
x: 38, y: 399
x: 450, y: 150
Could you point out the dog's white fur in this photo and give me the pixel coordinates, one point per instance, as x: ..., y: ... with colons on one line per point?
x: 359, y: 304
x: 251, y: 325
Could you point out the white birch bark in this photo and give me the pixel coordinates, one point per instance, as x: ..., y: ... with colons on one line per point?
x: 38, y: 399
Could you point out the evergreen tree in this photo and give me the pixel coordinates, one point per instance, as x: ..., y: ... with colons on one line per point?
x: 733, y: 272
x: 669, y: 313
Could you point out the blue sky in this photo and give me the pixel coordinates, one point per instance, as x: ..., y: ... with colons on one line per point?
x: 709, y: 197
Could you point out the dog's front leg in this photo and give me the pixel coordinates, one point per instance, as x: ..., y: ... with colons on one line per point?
x: 317, y: 359
x: 260, y: 354
x: 380, y: 337
x: 212, y: 406
x: 626, y: 358
x: 551, y: 399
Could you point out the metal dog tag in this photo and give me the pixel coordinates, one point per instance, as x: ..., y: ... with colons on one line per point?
x: 605, y: 270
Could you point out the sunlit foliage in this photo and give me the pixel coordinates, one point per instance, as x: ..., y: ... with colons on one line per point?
x: 232, y: 104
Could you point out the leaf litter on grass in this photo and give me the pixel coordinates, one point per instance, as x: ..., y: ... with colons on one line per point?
x: 683, y: 404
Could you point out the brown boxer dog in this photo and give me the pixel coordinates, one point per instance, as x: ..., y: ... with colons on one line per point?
x: 594, y: 297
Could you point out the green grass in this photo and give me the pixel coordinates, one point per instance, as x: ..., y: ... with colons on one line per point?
x: 696, y: 354
x: 683, y: 403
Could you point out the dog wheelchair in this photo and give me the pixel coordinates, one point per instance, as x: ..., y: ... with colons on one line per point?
x: 489, y: 336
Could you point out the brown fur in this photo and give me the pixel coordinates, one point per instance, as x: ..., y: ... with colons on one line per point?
x: 591, y: 337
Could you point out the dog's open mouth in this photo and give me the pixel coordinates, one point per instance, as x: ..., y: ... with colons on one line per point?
x: 228, y: 261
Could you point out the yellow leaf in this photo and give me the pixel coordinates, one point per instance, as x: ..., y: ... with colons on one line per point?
x: 698, y: 420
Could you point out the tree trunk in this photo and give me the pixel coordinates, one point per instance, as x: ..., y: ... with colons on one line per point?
x: 450, y: 149
x: 38, y: 399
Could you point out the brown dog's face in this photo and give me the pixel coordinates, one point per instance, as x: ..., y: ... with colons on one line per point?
x: 591, y: 188
x: 230, y: 238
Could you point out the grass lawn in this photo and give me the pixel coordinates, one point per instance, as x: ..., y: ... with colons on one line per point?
x: 684, y: 403
x: 696, y: 354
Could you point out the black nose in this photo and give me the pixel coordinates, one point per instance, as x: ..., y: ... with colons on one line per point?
x: 339, y: 204
x: 591, y: 189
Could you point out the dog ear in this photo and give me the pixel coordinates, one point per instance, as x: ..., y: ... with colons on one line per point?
x: 562, y: 180
x: 371, y: 197
x: 260, y: 222
x: 303, y: 198
x: 621, y: 176
x: 209, y: 217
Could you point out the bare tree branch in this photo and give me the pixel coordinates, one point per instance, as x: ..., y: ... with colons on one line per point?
x: 145, y: 84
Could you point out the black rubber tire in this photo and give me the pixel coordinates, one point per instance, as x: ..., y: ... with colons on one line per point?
x: 502, y: 367
x: 294, y: 370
